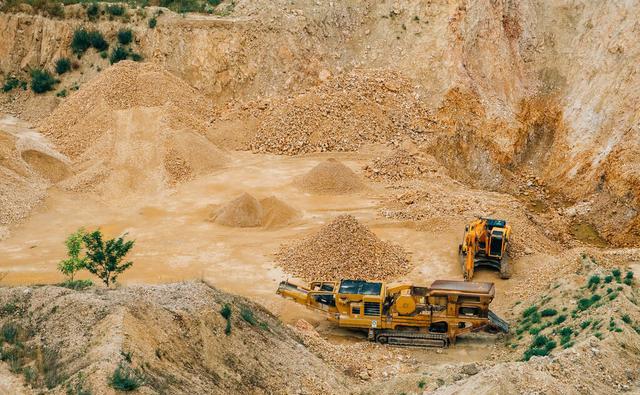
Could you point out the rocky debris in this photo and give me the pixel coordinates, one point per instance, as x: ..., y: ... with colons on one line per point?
x: 401, y: 164
x: 330, y: 177
x: 342, y: 114
x: 363, y: 360
x: 344, y: 248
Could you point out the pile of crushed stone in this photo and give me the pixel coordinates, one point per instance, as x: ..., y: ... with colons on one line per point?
x: 88, y: 113
x: 341, y: 115
x: 402, y: 164
x: 246, y: 211
x: 330, y: 177
x: 341, y: 249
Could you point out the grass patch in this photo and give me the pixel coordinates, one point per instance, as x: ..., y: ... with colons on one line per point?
x: 78, y: 285
x: 124, y: 378
x: 548, y: 312
x: 247, y: 315
x: 560, y: 319
x: 529, y: 310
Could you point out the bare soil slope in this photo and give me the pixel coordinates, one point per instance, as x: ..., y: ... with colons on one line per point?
x: 172, y: 335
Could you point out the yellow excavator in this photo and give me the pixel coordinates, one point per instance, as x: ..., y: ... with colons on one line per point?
x: 401, y: 313
x: 485, y: 243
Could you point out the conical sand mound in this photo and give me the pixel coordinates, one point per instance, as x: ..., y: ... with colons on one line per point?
x: 341, y: 249
x: 330, y: 177
x: 243, y: 212
x: 277, y: 213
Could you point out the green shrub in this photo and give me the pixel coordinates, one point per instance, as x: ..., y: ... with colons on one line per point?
x: 539, y: 341
x: 153, y: 22
x: 616, y: 273
x: 608, y: 279
x: 115, y: 9
x: 247, y: 315
x: 422, y: 383
x: 97, y: 41
x: 10, y: 83
x: 548, y: 312
x: 62, y: 93
x: 626, y: 319
x: 10, y: 332
x: 80, y: 41
x: 125, y: 378
x: 534, y: 330
x: 560, y: 319
x: 598, y: 335
x: 609, y: 290
x: 567, y: 345
x: 629, y: 274
x: 41, y: 81
x: 628, y: 281
x: 104, y: 54
x: 226, y: 311
x: 550, y: 345
x: 535, y: 317
x: 593, y: 281
x: 585, y: 324
x: 93, y: 11
x: 529, y: 310
x: 125, y: 36
x: 118, y: 54
x: 136, y: 57
x: 613, y: 296
x: 227, y: 329
x: 63, y: 65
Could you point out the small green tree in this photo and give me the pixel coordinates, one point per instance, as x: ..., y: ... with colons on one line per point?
x: 104, y: 259
x: 74, y: 262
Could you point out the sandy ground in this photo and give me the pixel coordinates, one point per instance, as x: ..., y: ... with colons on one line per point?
x: 176, y: 241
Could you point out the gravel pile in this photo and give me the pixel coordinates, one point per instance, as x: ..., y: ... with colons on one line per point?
x: 88, y: 113
x: 402, y: 164
x: 330, y: 177
x: 341, y: 249
x: 341, y: 115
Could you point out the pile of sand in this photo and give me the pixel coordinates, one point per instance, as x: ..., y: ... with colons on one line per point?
x: 141, y: 153
x: 276, y: 213
x: 341, y: 249
x: 27, y: 167
x: 242, y: 212
x: 341, y: 115
x: 330, y: 177
x: 246, y: 211
x: 88, y: 113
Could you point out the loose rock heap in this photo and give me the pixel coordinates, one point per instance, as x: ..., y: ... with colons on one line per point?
x: 330, y: 177
x: 341, y: 249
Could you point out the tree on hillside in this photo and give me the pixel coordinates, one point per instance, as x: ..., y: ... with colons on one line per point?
x: 74, y: 262
x: 104, y: 259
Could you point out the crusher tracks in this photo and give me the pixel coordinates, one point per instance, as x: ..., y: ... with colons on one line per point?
x: 412, y: 339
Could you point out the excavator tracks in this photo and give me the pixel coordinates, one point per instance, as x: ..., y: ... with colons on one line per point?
x: 412, y: 339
